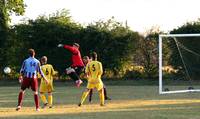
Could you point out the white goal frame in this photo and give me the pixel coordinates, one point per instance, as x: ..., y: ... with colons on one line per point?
x: 161, y: 91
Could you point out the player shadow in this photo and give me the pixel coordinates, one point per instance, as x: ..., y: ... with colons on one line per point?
x: 116, y: 110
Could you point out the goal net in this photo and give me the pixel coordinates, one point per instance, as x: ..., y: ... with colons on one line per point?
x: 179, y: 63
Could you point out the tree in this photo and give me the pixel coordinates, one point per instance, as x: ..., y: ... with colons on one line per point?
x: 114, y: 43
x: 7, y: 8
x: 44, y: 34
x: 147, y: 53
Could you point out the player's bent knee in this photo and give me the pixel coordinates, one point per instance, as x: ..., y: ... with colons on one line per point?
x: 35, y: 92
x: 23, y: 91
x: 69, y: 70
x: 101, y: 90
x: 49, y: 93
x: 87, y: 90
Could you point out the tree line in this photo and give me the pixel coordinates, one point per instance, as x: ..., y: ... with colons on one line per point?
x: 121, y: 50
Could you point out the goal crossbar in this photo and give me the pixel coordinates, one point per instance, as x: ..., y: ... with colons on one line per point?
x: 179, y: 35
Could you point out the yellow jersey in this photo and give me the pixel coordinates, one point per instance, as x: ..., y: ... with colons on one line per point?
x: 48, y: 72
x: 94, y: 71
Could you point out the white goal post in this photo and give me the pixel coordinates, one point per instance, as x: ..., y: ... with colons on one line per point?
x: 161, y: 36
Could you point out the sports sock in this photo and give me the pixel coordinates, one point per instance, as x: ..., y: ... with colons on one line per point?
x: 90, y: 95
x: 50, y: 100
x: 101, y: 96
x: 43, y: 98
x: 20, y: 98
x: 105, y: 92
x: 36, y: 101
x: 84, y: 96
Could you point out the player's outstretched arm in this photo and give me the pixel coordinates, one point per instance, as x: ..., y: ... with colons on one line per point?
x: 68, y: 47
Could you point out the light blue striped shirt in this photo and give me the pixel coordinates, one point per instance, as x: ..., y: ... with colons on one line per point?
x: 30, y: 67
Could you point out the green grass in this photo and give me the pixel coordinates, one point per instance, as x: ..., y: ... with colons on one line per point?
x: 128, y: 102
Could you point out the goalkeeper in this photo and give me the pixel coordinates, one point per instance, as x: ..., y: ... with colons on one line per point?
x: 94, y: 71
x: 77, y: 66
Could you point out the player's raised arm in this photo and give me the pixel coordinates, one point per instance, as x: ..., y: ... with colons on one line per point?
x: 70, y: 48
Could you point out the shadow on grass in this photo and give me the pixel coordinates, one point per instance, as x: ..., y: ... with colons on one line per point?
x: 183, y: 110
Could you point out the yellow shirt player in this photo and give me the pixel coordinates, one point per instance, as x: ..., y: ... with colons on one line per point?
x: 94, y: 71
x: 44, y: 87
x: 86, y: 60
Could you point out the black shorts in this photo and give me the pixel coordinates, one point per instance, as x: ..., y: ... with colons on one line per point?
x: 78, y: 69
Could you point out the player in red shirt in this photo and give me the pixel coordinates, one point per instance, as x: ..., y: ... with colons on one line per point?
x: 77, y: 65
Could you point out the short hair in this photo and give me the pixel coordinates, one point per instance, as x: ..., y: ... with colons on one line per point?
x: 44, y: 59
x: 93, y: 55
x: 86, y: 57
x: 31, y: 52
x: 76, y: 44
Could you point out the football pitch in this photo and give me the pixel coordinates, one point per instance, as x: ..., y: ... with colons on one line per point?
x: 128, y: 102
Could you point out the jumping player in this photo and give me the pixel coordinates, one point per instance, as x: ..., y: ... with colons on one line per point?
x: 77, y: 65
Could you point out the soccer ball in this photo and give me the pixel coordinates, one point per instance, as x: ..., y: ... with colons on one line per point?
x: 7, y: 70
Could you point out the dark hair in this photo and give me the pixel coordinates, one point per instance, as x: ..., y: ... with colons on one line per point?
x: 31, y: 52
x: 93, y: 55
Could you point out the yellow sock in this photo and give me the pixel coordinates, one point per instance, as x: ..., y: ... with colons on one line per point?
x: 43, y: 98
x: 50, y: 100
x: 84, y: 96
x: 101, y: 96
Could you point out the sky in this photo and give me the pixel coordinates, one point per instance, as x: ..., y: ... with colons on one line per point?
x: 141, y: 15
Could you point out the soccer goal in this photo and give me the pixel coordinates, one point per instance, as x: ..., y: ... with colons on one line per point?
x: 179, y: 63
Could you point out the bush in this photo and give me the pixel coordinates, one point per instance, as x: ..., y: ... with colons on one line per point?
x: 135, y: 74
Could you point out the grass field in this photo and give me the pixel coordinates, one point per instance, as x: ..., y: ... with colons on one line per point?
x: 128, y: 102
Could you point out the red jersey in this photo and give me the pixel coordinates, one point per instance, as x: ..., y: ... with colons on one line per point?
x: 76, y: 56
